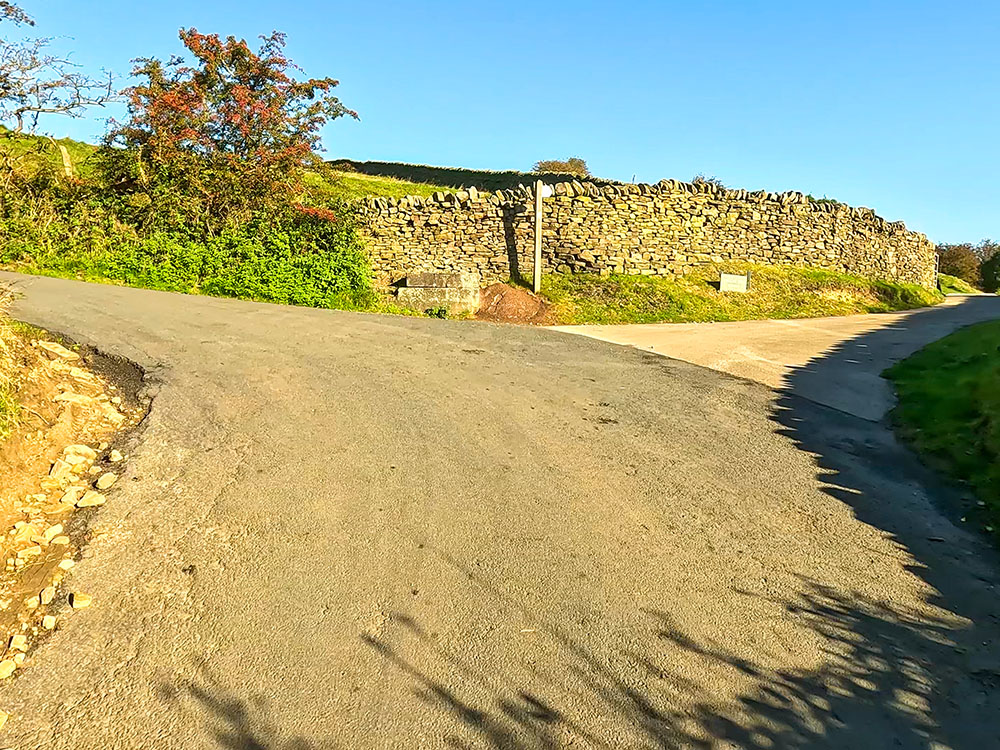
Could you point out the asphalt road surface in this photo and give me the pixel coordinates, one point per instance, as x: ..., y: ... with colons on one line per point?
x: 351, y: 531
x: 850, y: 351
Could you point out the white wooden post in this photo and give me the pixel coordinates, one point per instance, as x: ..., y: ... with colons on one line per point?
x: 536, y: 283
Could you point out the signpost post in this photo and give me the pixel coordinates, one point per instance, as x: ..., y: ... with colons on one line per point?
x: 536, y: 282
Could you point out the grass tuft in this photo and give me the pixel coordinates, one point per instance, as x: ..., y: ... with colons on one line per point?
x: 9, y: 407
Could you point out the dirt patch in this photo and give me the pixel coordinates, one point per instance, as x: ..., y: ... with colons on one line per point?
x: 503, y: 303
x: 54, y: 469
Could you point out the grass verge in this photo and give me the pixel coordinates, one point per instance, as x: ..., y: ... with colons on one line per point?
x: 949, y: 411
x: 954, y: 285
x: 349, y: 186
x: 775, y: 292
x: 9, y: 407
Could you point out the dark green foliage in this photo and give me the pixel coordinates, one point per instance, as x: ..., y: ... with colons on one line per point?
x: 960, y: 261
x: 300, y: 262
x: 990, y: 272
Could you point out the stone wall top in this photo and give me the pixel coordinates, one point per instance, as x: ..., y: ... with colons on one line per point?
x: 590, y: 190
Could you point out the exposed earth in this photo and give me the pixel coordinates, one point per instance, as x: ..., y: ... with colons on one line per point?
x: 506, y: 303
x: 349, y: 530
x: 54, y: 467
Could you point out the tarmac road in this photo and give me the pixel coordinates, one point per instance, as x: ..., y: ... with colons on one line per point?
x: 356, y: 531
x: 851, y: 351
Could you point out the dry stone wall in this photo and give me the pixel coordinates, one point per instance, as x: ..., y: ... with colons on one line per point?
x: 661, y: 229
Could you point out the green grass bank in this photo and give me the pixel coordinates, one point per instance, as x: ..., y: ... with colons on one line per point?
x: 954, y: 285
x: 775, y: 292
x: 949, y: 411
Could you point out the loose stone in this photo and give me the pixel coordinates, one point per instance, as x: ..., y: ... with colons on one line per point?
x: 106, y: 480
x: 52, y: 532
x: 90, y: 499
x: 58, y: 351
x: 80, y: 601
x: 72, y: 495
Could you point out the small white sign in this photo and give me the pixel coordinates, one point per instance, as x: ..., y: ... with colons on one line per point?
x: 734, y: 282
x: 547, y: 191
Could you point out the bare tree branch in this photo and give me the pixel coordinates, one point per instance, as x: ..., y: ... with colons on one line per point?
x: 33, y: 83
x: 10, y: 12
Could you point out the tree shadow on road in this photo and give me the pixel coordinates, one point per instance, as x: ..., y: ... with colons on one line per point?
x: 891, y: 677
x: 234, y: 723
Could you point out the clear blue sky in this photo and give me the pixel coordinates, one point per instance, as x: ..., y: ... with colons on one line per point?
x: 893, y: 105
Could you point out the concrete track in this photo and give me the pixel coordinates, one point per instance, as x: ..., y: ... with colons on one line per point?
x: 833, y: 361
x: 354, y: 531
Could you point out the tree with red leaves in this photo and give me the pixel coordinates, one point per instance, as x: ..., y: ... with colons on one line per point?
x: 223, y: 138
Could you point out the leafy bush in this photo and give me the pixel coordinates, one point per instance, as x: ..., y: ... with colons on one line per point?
x: 574, y: 165
x: 211, y: 144
x: 960, y: 261
x: 203, y: 190
x: 301, y: 262
x: 990, y: 271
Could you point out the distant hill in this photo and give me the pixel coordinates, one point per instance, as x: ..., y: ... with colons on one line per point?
x: 358, y: 179
x: 43, y: 149
x: 455, y: 177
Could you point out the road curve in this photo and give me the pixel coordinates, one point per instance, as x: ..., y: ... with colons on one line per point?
x: 357, y: 531
x: 851, y: 351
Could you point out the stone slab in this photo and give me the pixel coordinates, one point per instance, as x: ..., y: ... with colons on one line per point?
x: 434, y: 280
x: 455, y: 301
x: 734, y: 282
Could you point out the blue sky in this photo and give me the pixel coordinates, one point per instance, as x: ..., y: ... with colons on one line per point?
x: 893, y: 105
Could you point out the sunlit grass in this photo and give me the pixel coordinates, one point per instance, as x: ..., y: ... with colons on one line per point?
x: 949, y: 410
x: 775, y: 292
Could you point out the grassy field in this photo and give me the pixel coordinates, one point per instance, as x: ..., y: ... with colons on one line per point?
x: 775, y: 292
x: 949, y: 411
x: 28, y: 150
x: 346, y: 185
x: 955, y: 285
x: 351, y: 186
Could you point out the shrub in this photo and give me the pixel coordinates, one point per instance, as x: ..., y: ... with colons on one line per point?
x: 960, y: 261
x: 573, y: 165
x: 307, y: 261
x: 212, y: 143
x: 990, y: 272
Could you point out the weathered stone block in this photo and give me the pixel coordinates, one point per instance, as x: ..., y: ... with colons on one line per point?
x: 437, y: 280
x: 455, y: 301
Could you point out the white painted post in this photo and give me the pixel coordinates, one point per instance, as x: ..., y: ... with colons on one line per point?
x: 536, y: 283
